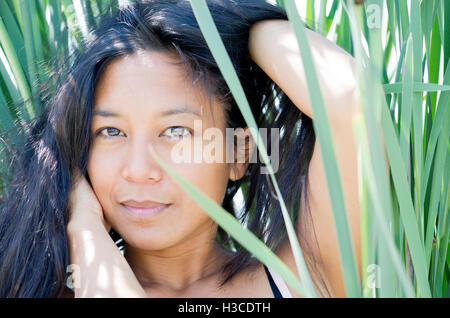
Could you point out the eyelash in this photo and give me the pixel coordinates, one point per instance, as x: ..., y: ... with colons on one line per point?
x: 98, y: 133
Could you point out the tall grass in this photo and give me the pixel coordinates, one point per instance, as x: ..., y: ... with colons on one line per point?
x: 36, y: 38
x: 401, y: 49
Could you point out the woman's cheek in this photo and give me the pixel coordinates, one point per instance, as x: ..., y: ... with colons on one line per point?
x: 102, y: 173
x: 209, y: 178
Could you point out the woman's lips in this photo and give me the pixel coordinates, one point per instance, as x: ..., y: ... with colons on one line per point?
x: 144, y: 212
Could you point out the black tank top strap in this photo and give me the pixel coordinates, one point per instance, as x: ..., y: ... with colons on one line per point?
x: 275, y: 290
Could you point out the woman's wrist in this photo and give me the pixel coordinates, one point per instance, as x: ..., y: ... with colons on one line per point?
x: 261, y: 30
x: 99, y: 268
x: 87, y: 223
x: 274, y: 48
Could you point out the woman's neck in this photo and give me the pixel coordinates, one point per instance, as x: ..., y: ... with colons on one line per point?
x: 177, y: 268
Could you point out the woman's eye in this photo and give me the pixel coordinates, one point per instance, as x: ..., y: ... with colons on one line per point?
x: 110, y: 132
x: 177, y: 132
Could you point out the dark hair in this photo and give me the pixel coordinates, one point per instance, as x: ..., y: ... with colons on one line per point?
x: 33, y: 243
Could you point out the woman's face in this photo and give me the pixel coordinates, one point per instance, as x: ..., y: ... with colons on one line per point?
x: 144, y: 101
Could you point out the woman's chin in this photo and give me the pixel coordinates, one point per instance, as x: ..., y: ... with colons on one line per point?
x: 146, y: 240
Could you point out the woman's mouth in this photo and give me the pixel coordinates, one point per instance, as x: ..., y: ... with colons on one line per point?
x: 144, y: 209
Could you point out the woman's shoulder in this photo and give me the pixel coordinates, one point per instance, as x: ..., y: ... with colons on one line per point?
x: 312, y: 258
x: 250, y: 282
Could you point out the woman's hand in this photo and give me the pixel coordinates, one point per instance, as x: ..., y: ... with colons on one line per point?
x: 100, y: 268
x: 84, y: 206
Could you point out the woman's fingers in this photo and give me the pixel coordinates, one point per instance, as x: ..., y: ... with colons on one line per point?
x: 83, y: 203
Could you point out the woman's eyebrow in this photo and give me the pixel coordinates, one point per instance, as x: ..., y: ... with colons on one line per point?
x: 104, y: 113
x: 174, y: 111
x: 182, y: 110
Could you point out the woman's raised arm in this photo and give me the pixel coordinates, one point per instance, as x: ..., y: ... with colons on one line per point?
x: 273, y: 46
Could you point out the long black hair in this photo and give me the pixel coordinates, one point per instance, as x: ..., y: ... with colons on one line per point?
x: 34, y: 250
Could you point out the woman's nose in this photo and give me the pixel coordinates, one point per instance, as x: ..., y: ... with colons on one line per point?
x: 140, y: 166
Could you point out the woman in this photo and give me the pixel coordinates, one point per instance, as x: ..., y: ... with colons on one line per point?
x: 87, y: 173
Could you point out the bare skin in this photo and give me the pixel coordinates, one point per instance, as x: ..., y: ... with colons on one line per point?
x: 337, y: 79
x: 174, y: 254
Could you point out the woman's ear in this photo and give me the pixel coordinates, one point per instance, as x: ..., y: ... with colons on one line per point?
x: 244, y: 153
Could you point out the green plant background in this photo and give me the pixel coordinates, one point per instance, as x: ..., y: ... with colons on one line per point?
x: 401, y: 47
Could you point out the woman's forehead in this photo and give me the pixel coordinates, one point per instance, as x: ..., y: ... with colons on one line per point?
x: 146, y: 69
x: 152, y: 79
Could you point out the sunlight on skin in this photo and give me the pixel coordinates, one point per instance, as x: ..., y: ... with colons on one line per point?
x: 105, y: 276
x: 88, y: 249
x: 335, y: 69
